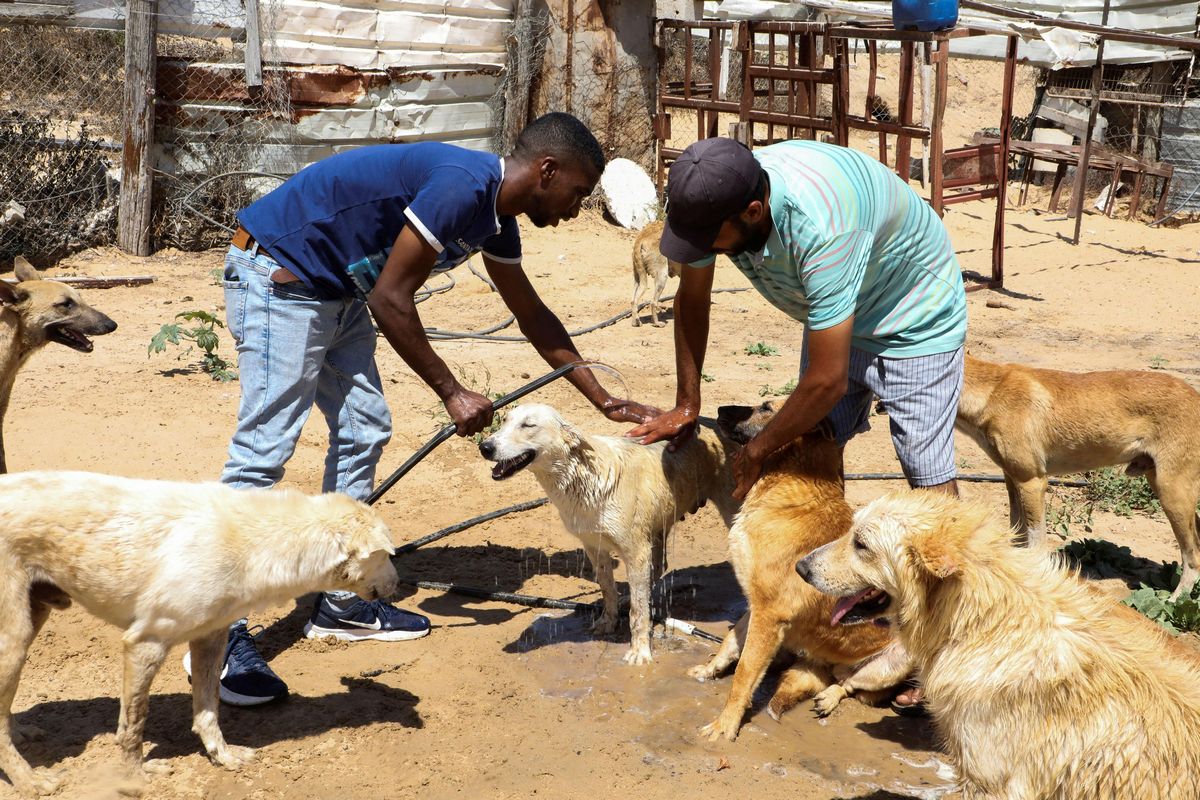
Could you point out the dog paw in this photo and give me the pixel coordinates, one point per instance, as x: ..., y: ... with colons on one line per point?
x: 232, y: 756
x: 719, y: 727
x: 638, y: 655
x: 35, y: 783
x: 659, y: 324
x: 826, y: 701
x: 702, y: 672
x: 604, y: 626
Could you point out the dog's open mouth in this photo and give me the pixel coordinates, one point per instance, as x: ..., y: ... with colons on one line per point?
x: 863, y: 606
x: 511, y: 466
x: 71, y: 338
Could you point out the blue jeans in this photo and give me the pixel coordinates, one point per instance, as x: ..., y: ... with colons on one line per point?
x: 296, y: 348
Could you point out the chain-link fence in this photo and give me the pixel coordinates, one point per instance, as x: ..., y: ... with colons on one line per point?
x: 61, y: 129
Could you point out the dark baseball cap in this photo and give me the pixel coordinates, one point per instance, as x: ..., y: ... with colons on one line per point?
x: 710, y: 182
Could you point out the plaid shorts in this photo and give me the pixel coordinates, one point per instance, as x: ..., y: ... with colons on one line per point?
x: 921, y: 397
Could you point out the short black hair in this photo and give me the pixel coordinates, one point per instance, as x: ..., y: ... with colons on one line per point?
x: 562, y: 136
x: 760, y: 193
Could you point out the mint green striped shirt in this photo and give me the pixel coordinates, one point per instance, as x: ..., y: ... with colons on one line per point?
x: 851, y: 238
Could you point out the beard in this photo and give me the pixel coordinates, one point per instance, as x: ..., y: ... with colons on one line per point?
x: 752, y: 238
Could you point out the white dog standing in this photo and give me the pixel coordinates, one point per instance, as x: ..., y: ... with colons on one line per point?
x: 167, y: 563
x: 615, y: 496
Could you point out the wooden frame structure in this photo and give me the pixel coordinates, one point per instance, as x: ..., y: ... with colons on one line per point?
x: 799, y: 65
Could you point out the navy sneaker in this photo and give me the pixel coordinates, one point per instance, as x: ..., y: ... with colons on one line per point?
x: 246, y: 679
x: 365, y: 620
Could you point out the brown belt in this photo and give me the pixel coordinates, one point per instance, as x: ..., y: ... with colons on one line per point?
x: 242, y: 240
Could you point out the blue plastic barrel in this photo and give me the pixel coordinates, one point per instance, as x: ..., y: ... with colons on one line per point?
x: 924, y: 15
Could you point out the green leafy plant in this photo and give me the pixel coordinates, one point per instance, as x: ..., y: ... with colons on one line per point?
x: 761, y: 349
x: 1158, y: 362
x: 1114, y: 491
x: 778, y: 391
x: 1063, y: 511
x: 203, y: 335
x: 1176, y: 616
x: 704, y: 376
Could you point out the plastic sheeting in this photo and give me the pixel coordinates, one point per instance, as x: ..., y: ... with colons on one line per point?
x: 1045, y: 46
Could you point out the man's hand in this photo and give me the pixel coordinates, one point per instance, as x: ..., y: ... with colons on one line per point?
x: 471, y: 412
x: 747, y: 468
x: 628, y: 411
x: 678, y: 425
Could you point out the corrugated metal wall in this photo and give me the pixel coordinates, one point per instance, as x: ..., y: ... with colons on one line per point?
x: 1181, y: 146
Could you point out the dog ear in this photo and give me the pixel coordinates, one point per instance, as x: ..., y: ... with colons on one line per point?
x: 24, y: 270
x: 571, y: 436
x: 936, y: 552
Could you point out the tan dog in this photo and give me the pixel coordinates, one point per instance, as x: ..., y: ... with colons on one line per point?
x: 651, y: 265
x: 167, y: 563
x: 1040, y: 685
x: 615, y: 496
x: 1040, y: 422
x: 32, y: 313
x: 797, y: 505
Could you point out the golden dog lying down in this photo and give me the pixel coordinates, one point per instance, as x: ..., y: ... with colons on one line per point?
x: 1041, y: 686
x: 797, y: 505
x: 167, y: 563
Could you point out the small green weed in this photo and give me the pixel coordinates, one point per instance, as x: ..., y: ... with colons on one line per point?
x: 1176, y: 616
x: 1065, y: 510
x: 1114, y: 491
x: 779, y: 391
x: 761, y: 349
x: 1158, y: 362
x: 202, y: 335
x: 704, y: 376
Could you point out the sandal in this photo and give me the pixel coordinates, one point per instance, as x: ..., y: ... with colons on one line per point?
x: 916, y: 709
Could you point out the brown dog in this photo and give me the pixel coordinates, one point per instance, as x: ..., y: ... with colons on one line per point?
x: 1040, y: 684
x: 36, y: 311
x: 796, y: 506
x: 651, y: 265
x: 1039, y: 422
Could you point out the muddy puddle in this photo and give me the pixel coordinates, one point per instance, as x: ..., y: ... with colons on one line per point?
x: 860, y: 752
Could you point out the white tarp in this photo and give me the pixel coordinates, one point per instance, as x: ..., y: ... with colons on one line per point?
x: 1045, y: 46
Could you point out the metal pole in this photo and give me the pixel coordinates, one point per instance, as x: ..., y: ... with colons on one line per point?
x: 448, y: 431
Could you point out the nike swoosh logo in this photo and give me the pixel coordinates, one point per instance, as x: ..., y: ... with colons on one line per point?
x: 376, y: 625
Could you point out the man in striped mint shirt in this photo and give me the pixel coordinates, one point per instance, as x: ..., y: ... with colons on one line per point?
x: 838, y: 242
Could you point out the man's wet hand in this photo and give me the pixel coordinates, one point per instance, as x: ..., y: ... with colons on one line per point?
x: 629, y: 411
x: 470, y: 411
x: 678, y: 425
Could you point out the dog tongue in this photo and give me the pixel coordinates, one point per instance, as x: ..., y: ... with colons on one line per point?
x: 844, y: 604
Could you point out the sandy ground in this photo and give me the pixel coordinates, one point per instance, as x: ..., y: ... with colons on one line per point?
x: 508, y: 702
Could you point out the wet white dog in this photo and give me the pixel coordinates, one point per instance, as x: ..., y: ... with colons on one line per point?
x: 616, y: 496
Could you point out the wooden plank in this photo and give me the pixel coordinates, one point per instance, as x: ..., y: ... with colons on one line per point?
x: 253, y: 46
x: 905, y: 100
x: 137, y: 159
x: 936, y: 146
x: 1006, y: 103
x: 1077, y: 192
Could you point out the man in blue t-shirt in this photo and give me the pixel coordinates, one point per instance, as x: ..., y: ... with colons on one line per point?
x: 364, y: 230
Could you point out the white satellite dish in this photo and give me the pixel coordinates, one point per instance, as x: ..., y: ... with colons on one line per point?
x: 629, y: 194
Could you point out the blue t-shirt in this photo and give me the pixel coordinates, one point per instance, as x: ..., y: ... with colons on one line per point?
x: 343, y: 213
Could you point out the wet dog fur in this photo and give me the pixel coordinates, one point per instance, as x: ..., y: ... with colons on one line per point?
x: 796, y: 506
x: 1040, y: 685
x: 616, y: 496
